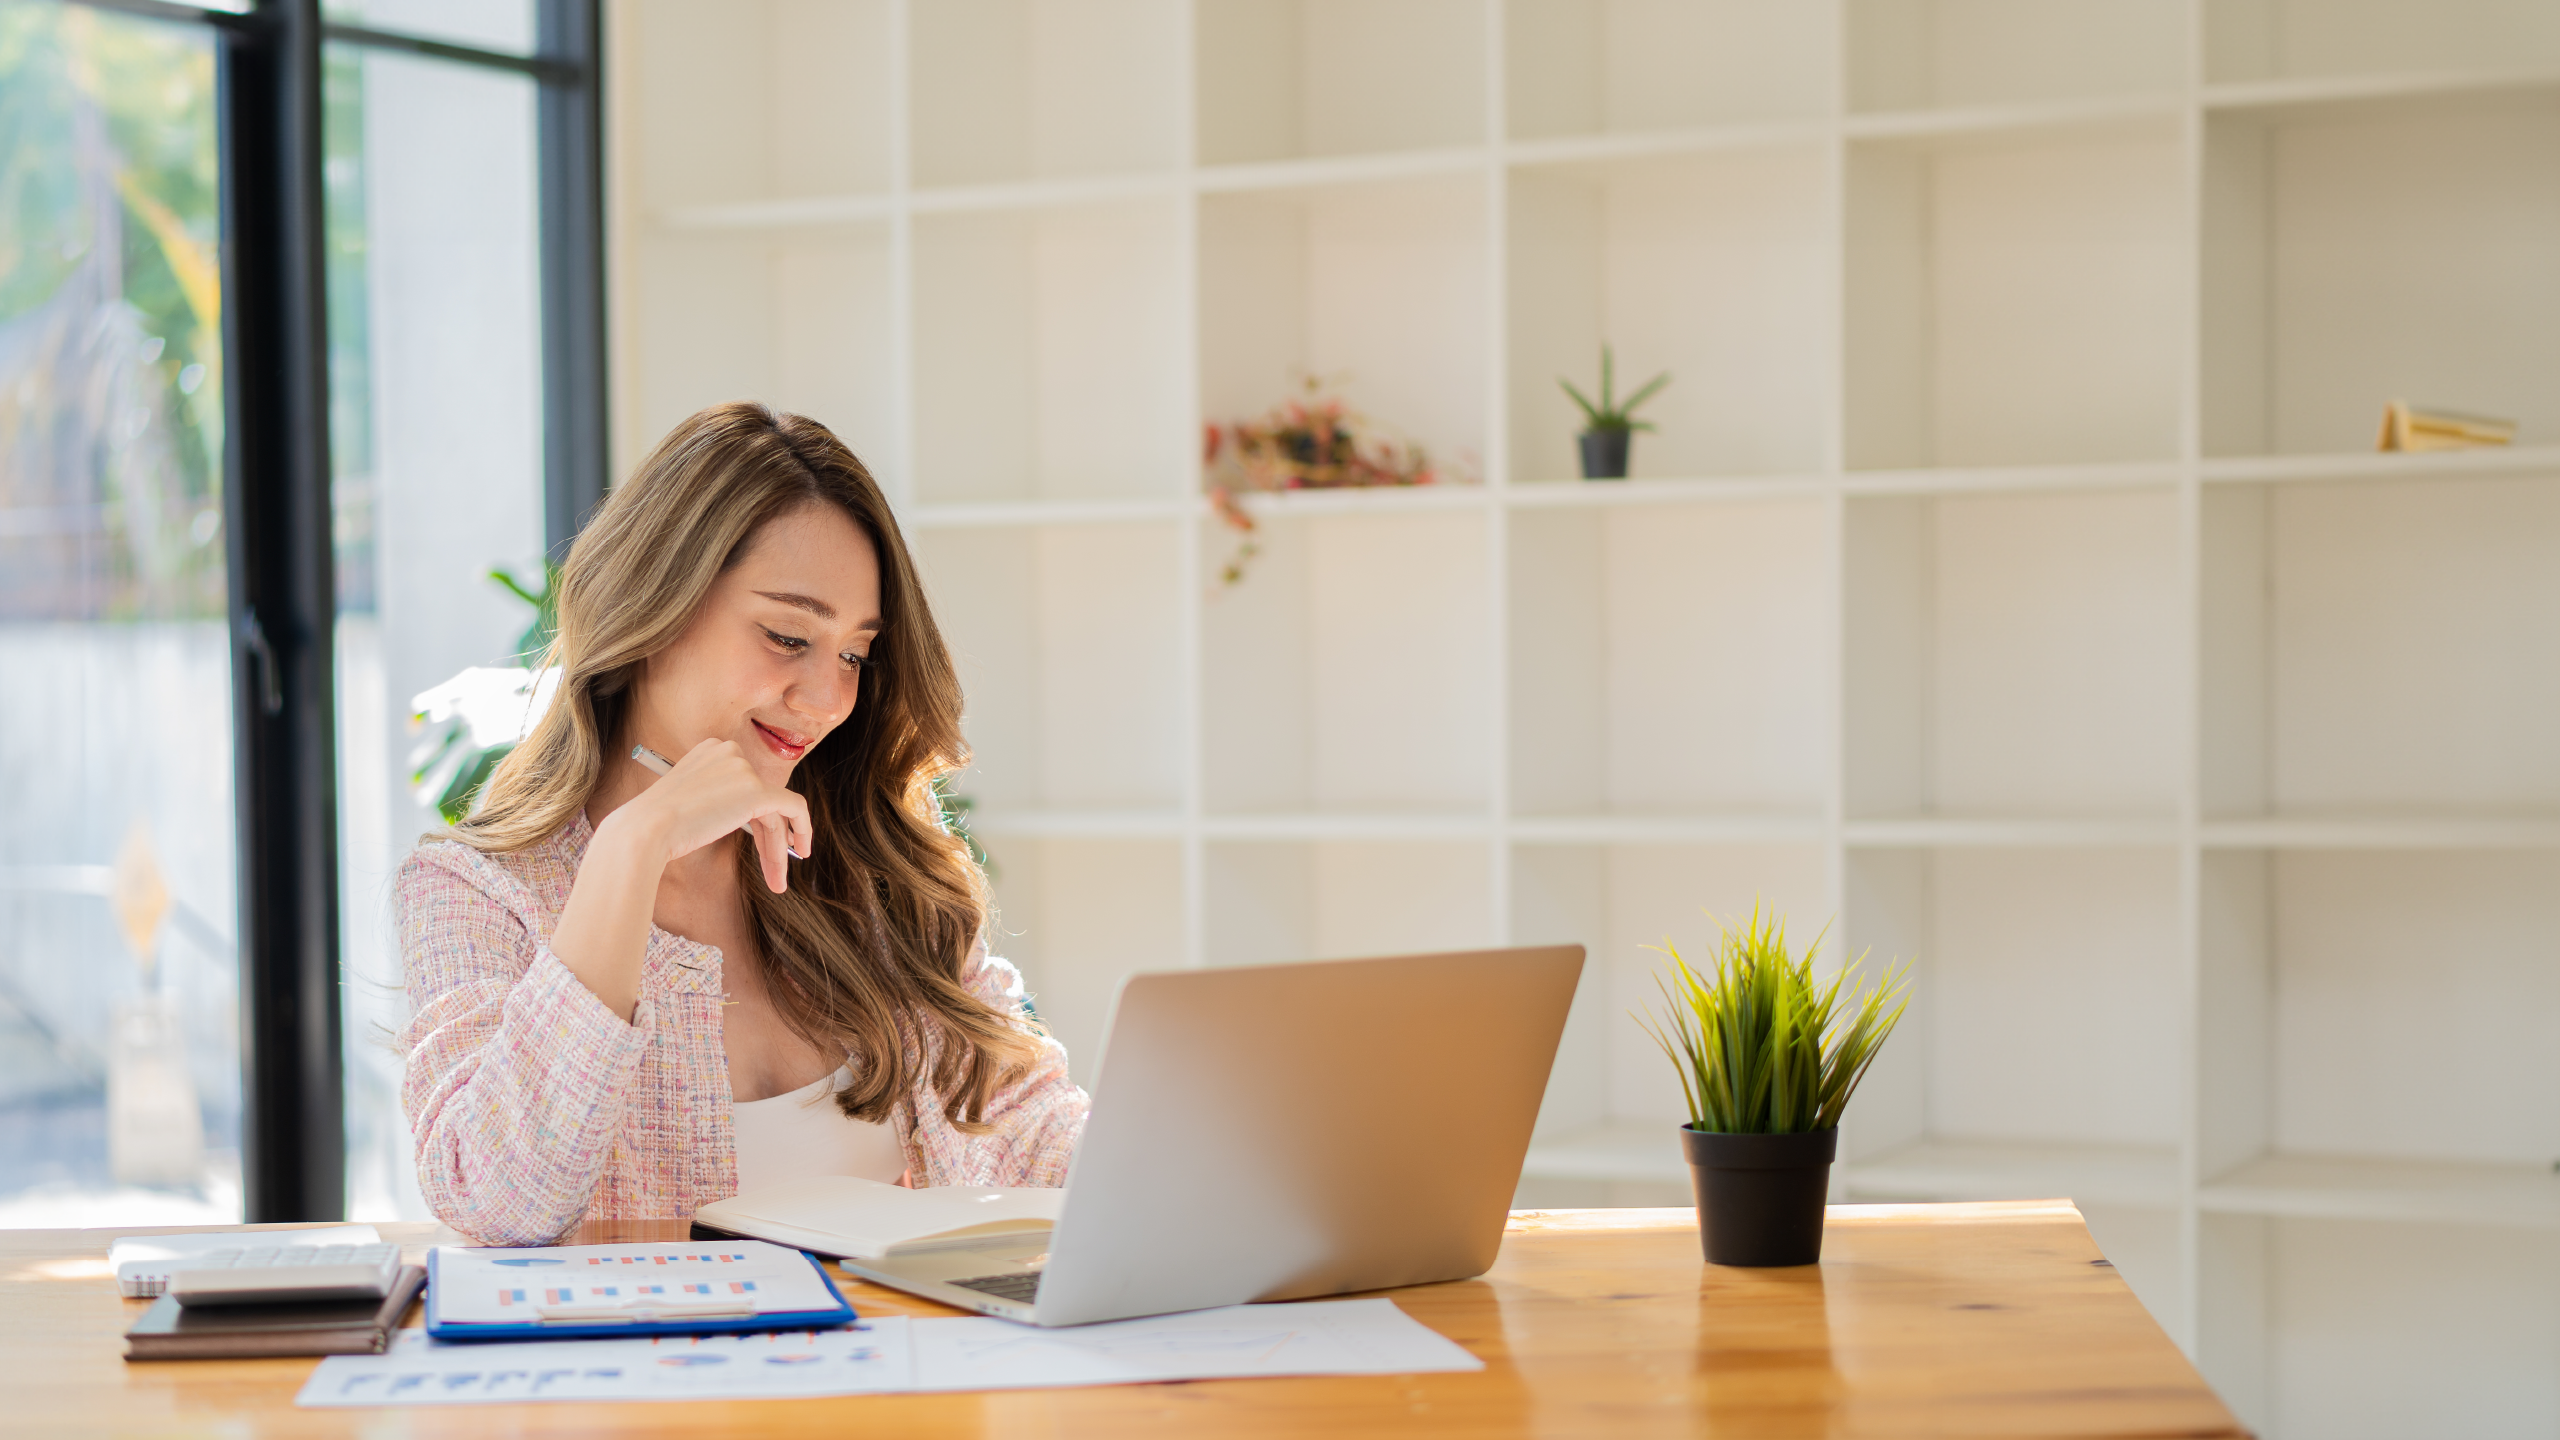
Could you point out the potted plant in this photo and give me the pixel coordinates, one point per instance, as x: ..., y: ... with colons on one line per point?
x: 1608, y: 428
x: 472, y: 720
x: 1768, y: 1057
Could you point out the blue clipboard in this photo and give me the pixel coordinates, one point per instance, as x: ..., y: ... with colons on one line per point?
x: 440, y: 1329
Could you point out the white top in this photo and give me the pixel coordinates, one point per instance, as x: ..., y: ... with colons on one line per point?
x: 800, y: 1134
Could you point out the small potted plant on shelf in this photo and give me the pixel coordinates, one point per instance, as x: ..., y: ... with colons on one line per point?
x: 1768, y: 1057
x: 1609, y: 427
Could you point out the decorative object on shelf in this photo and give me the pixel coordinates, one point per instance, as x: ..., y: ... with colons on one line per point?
x: 2410, y: 427
x: 1768, y: 1057
x: 1315, y: 442
x: 1609, y: 427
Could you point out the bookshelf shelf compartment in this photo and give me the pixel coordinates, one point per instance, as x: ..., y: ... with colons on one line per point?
x: 1068, y: 652
x: 1922, y: 54
x: 783, y: 100
x: 1979, y: 1170
x: 2306, y: 967
x: 1273, y: 901
x: 1048, y: 355
x: 1627, y: 626
x: 2288, y: 1303
x: 2007, y: 832
x: 1320, y: 825
x: 2407, y: 1191
x: 1282, y: 79
x: 1010, y: 90
x: 1347, y: 671
x: 1974, y: 705
x: 1733, y: 827
x: 2367, y: 96
x: 2380, y: 648
x: 2369, y: 465
x: 2011, y: 1038
x: 801, y: 321
x: 1637, y: 1152
x: 1608, y: 67
x: 2263, y: 40
x: 1079, y: 914
x: 1706, y: 268
x: 1376, y: 290
x: 2379, y: 830
x: 2318, y: 310
x: 2015, y: 300
x: 1055, y: 824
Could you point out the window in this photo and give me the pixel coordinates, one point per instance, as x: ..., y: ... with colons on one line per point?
x: 119, y: 968
x: 212, y: 623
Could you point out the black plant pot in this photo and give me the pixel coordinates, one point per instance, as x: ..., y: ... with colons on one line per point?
x: 1760, y: 1196
x: 1604, y: 453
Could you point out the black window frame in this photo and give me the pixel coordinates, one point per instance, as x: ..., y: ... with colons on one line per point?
x: 276, y: 514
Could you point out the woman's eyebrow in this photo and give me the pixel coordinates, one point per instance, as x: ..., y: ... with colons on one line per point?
x: 810, y: 603
x: 817, y: 607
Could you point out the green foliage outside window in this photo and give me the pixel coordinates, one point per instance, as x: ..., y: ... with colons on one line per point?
x: 110, y: 317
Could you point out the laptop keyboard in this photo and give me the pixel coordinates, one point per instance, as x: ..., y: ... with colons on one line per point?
x: 1022, y: 1287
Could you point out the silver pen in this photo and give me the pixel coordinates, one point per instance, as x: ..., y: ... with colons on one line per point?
x: 659, y: 765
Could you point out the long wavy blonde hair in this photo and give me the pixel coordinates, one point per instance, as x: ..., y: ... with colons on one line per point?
x: 871, y: 938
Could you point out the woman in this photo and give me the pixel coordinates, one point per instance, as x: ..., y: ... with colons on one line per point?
x: 623, y: 1006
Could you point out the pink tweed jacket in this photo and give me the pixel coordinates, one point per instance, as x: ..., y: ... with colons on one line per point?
x: 535, y: 1107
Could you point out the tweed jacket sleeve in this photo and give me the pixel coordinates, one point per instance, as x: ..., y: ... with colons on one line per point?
x: 517, y: 1075
x: 1034, y: 1123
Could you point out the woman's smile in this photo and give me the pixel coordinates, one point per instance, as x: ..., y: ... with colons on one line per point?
x: 789, y: 744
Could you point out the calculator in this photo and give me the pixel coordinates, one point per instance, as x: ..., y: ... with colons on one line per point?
x: 276, y: 1274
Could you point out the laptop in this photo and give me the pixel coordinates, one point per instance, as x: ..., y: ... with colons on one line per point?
x: 1274, y: 1132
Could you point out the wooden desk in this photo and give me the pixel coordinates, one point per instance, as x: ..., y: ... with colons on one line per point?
x: 1938, y: 1320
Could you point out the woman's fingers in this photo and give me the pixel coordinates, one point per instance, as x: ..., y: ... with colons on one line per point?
x: 795, y: 815
x: 714, y: 791
x: 771, y: 835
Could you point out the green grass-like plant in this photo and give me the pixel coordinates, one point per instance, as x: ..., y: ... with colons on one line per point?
x: 1762, y: 1047
x: 1608, y: 412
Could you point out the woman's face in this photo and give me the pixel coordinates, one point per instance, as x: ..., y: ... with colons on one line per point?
x: 773, y: 659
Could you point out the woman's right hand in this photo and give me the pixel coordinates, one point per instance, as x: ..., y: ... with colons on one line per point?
x: 709, y: 795
x: 712, y: 792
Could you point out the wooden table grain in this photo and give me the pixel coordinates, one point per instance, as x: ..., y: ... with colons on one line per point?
x: 1922, y: 1320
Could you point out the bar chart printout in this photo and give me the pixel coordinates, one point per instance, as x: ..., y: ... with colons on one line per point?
x: 514, y: 1287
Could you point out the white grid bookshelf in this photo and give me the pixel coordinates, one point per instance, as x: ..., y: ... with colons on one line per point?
x: 2007, y: 579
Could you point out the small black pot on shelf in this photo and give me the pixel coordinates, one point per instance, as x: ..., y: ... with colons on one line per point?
x: 1604, y: 453
x: 1760, y: 1196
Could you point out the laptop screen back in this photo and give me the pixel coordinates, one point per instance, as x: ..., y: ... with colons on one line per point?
x: 1281, y: 1131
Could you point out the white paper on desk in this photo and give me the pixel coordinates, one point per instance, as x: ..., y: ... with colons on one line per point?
x: 513, y: 1287
x: 1324, y: 1337
x: 895, y: 1355
x: 783, y: 1364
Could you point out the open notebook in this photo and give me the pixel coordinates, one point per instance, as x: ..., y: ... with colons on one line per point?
x: 840, y: 1215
